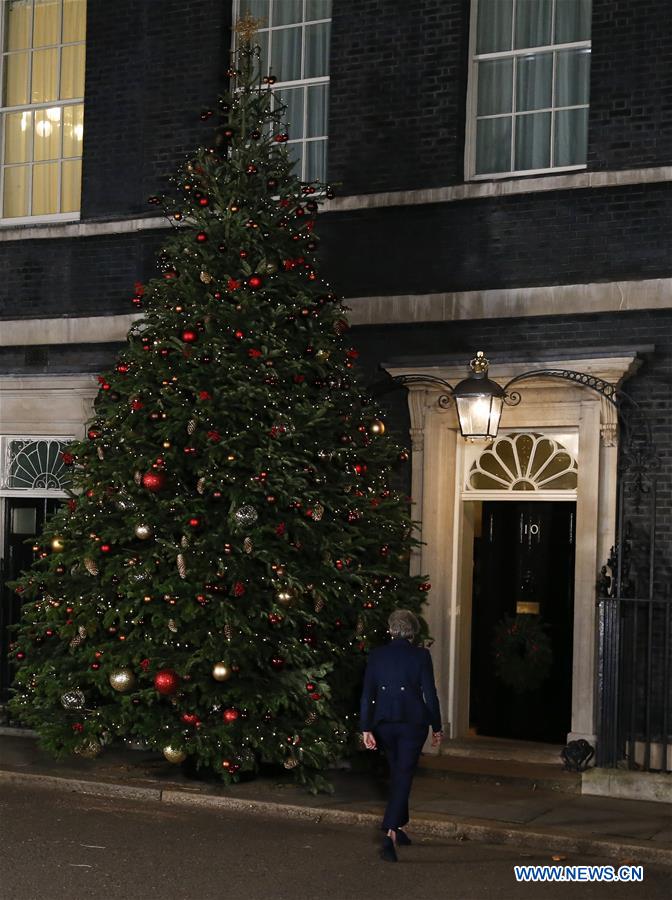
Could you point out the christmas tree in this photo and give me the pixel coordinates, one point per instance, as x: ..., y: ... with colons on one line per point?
x: 233, y: 545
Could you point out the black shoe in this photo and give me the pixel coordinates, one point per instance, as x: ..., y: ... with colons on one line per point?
x: 402, y: 838
x: 388, y: 853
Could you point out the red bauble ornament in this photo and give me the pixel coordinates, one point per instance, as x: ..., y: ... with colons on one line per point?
x: 166, y: 681
x: 315, y: 696
x: 230, y: 715
x: 238, y: 589
x: 105, y: 548
x: 360, y: 468
x: 201, y: 237
x: 190, y: 719
x: 194, y: 522
x: 310, y: 687
x: 189, y: 336
x: 425, y: 586
x: 154, y: 481
x: 278, y: 662
x: 255, y: 282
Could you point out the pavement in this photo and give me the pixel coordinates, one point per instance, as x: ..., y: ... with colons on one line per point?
x: 448, y: 805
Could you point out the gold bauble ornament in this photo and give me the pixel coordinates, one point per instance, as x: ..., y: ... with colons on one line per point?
x: 89, y: 749
x: 221, y: 671
x: 377, y: 427
x: 143, y: 531
x: 122, y: 680
x: 57, y: 544
x: 174, y: 754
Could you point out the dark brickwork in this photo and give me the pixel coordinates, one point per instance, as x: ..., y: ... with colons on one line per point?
x: 398, y: 93
x: 630, y: 122
x: 558, y: 237
x: 74, y: 276
x: 57, y: 359
x: 651, y: 387
x: 152, y: 66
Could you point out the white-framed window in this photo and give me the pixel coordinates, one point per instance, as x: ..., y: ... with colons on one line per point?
x: 33, y: 464
x: 529, y: 80
x: 294, y: 39
x: 41, y: 109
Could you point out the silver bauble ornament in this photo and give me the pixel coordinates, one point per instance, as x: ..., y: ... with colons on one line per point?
x: 122, y: 680
x: 143, y: 531
x: 246, y: 515
x: 73, y: 699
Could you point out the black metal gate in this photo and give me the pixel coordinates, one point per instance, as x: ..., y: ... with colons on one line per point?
x: 635, y: 614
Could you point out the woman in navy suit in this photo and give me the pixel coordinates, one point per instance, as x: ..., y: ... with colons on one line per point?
x: 399, y: 703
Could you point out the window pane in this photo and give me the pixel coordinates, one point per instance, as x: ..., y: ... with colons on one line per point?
x: 493, y: 145
x: 533, y: 141
x: 572, y: 21
x: 286, y: 12
x: 73, y: 130
x: 45, y: 76
x: 318, y: 9
x: 318, y: 110
x: 316, y: 161
x: 18, y: 24
x: 286, y: 53
x: 74, y: 20
x: 15, y: 191
x: 295, y: 151
x: 494, y: 25
x: 17, y: 66
x: 256, y: 8
x: 71, y: 185
x: 47, y: 23
x: 45, y: 189
x: 533, y: 23
x: 72, y: 71
x: 572, y: 77
x: 495, y: 86
x: 534, y: 79
x: 571, y: 137
x: 47, y: 141
x: 18, y: 128
x: 261, y: 40
x: 317, y: 50
x: 293, y: 115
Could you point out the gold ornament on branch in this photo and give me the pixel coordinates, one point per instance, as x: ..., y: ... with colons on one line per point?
x: 172, y: 626
x: 318, y: 512
x: 181, y: 566
x: 191, y: 426
x: 319, y: 603
x: 143, y: 531
x: 184, y: 541
x: 200, y: 485
x: 291, y: 763
x: 90, y: 566
x: 228, y: 632
x: 100, y: 452
x: 377, y: 427
x: 206, y: 277
x: 221, y: 671
x: 247, y: 27
x: 57, y: 544
x: 174, y: 754
x: 285, y: 597
x: 247, y: 545
x: 122, y: 680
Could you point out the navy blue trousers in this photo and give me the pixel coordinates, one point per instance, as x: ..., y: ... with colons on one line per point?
x: 402, y: 743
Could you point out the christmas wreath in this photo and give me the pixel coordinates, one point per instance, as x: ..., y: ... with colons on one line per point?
x: 523, y: 654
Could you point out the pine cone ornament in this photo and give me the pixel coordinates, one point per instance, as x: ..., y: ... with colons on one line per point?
x: 181, y: 566
x: 90, y: 566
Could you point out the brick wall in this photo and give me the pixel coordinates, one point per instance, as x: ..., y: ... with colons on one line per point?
x: 151, y: 68
x: 397, y: 94
x: 630, y: 123
x: 558, y: 237
x: 74, y: 276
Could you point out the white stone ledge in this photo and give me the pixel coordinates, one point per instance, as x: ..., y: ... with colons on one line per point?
x: 80, y: 330
x: 501, y: 188
x: 58, y: 230
x: 551, y: 300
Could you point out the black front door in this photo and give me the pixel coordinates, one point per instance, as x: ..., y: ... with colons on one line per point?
x: 523, y: 566
x: 23, y: 519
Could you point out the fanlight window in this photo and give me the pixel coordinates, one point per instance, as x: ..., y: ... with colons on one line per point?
x: 524, y: 462
x: 36, y: 464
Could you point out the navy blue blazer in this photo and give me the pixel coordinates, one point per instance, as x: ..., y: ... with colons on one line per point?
x: 399, y: 687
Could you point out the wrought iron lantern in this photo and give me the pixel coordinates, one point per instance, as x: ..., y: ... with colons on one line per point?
x: 479, y: 402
